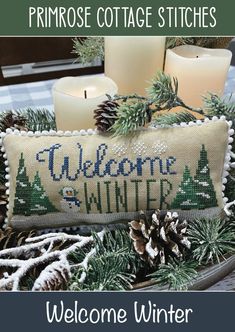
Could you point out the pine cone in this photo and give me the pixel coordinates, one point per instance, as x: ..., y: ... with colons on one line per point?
x: 105, y: 115
x: 13, y: 121
x: 158, y: 236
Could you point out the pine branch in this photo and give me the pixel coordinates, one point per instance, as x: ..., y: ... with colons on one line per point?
x: 89, y: 49
x: 53, y: 261
x: 136, y: 111
x: 131, y: 117
x: 170, y: 119
x: 211, y: 239
x: 38, y: 119
x: 113, y: 267
x: 178, y: 275
x: 164, y: 93
x: 216, y: 106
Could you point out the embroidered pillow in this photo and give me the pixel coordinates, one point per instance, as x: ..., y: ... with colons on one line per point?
x: 64, y: 179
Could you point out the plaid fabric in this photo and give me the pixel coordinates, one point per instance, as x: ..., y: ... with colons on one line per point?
x: 33, y: 95
x: 38, y: 94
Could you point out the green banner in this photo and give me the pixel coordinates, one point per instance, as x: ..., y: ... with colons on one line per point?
x: 117, y: 17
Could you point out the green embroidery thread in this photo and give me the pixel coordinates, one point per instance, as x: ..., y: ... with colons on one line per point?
x: 163, y: 194
x: 121, y: 198
x: 39, y: 201
x: 30, y: 198
x: 91, y: 199
x: 197, y: 192
x: 23, y: 190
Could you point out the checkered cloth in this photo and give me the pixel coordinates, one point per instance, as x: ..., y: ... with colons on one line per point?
x: 28, y: 95
x: 38, y: 94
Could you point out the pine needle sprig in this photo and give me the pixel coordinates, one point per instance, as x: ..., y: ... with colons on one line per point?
x: 216, y: 106
x: 89, y: 49
x: 178, y: 275
x: 164, y: 93
x: 105, y: 273
x: 113, y: 267
x: 211, y: 239
x: 130, y: 117
x: 137, y: 111
x: 170, y: 119
x: 38, y: 119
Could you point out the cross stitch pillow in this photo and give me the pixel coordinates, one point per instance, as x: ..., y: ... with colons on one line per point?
x: 64, y: 179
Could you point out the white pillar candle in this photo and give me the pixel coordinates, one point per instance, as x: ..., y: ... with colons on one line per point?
x: 133, y: 61
x: 198, y: 70
x: 76, y: 98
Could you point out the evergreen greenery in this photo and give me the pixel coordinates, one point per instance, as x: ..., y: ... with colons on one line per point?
x: 211, y: 239
x: 177, y: 275
x: 91, y: 48
x: 162, y: 95
x: 169, y: 119
x: 38, y: 119
x: 115, y: 264
x: 88, y: 49
x: 113, y: 267
x: 130, y: 117
x: 215, y: 106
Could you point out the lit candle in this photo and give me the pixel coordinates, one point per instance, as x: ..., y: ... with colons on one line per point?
x: 76, y: 98
x: 198, y: 70
x: 133, y: 61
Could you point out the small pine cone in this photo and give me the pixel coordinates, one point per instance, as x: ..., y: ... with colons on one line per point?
x: 53, y: 277
x: 158, y: 236
x: 105, y: 115
x: 13, y: 121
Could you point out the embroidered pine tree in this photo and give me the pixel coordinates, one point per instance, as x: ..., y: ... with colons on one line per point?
x: 197, y: 192
x: 186, y: 198
x: 204, y: 186
x: 40, y: 203
x: 23, y: 190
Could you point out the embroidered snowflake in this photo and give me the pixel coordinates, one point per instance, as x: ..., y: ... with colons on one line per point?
x: 139, y: 148
x: 119, y: 149
x: 159, y: 147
